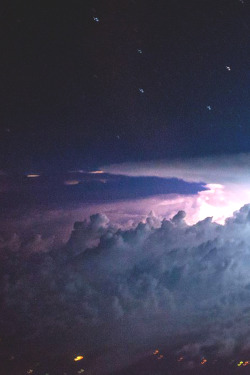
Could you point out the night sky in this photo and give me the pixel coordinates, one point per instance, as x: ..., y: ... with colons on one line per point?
x: 92, y: 82
x: 124, y: 187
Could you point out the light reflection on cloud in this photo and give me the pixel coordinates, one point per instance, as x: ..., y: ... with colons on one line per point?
x: 226, y: 177
x: 218, y: 201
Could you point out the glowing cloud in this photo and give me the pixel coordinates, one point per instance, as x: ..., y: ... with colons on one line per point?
x: 227, y: 178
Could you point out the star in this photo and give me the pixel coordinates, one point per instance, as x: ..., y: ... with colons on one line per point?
x: 96, y: 19
x: 141, y: 90
x: 139, y: 51
x: 209, y: 107
x: 228, y: 68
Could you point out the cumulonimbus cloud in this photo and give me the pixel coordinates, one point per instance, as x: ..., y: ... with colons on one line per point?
x: 111, y: 289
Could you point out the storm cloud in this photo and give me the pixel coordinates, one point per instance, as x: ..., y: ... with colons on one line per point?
x: 163, y: 282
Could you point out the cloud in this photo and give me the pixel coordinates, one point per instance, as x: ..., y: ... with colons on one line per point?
x: 226, y: 177
x: 111, y: 290
x: 220, y: 169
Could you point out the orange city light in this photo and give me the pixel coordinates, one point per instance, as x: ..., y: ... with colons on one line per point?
x: 204, y: 360
x: 32, y: 175
x: 246, y: 363
x: 78, y: 358
x: 96, y: 172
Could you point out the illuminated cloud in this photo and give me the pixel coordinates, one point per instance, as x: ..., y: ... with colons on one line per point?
x: 161, y: 281
x: 221, y: 169
x: 163, y: 277
x: 218, y: 201
x: 227, y: 178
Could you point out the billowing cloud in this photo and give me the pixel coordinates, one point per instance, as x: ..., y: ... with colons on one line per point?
x: 112, y: 290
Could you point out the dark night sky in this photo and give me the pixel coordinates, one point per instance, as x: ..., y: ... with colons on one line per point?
x: 70, y: 93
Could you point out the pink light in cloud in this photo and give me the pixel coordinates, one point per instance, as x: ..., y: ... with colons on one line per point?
x: 227, y: 178
x: 219, y: 201
x: 227, y: 181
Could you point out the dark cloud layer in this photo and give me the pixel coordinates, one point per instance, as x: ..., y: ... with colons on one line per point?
x: 110, y: 290
x: 81, y: 187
